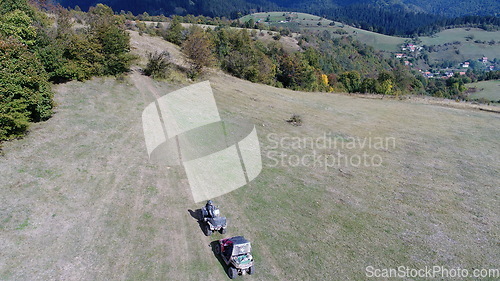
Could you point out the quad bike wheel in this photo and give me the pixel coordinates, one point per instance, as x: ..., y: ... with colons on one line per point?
x: 217, y: 249
x: 208, y: 231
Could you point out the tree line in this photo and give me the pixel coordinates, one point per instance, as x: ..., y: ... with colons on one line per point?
x: 394, y: 19
x: 325, y: 62
x: 36, y: 50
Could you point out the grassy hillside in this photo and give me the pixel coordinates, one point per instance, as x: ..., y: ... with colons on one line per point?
x: 81, y: 201
x: 310, y: 22
x: 488, y: 90
x: 468, y: 48
x: 460, y: 34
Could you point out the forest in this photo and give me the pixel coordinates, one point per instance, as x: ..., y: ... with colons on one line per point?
x: 403, y: 18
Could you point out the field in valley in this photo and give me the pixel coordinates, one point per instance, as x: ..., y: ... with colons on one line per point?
x: 80, y: 199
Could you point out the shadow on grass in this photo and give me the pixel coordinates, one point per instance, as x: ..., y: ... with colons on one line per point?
x: 213, y: 244
x: 196, y: 214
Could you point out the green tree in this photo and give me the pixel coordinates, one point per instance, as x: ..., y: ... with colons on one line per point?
x: 7, y: 6
x: 369, y: 85
x: 351, y: 81
x: 250, y: 23
x: 385, y: 83
x: 174, y: 32
x: 18, y: 24
x: 25, y: 94
x: 110, y: 34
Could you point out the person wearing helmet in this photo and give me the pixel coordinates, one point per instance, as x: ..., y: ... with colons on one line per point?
x: 210, y: 208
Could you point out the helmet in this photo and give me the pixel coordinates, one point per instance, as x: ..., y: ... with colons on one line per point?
x: 209, y: 202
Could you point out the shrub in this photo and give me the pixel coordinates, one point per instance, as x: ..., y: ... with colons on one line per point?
x: 158, y: 64
x: 295, y: 120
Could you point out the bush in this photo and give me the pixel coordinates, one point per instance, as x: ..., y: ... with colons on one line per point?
x: 14, y: 120
x: 158, y: 64
x: 295, y: 120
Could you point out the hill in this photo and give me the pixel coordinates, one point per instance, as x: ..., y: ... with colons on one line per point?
x: 81, y: 201
x: 398, y: 17
x: 439, y: 7
x: 309, y: 22
x: 453, y: 45
x: 223, y: 7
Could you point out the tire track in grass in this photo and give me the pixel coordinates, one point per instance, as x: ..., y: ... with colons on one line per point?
x: 174, y: 201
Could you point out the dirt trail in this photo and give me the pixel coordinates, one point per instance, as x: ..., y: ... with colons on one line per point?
x: 174, y: 187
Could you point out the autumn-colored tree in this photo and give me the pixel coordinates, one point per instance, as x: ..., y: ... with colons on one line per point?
x: 296, y: 73
x: 385, y: 87
x: 198, y: 49
x: 385, y: 83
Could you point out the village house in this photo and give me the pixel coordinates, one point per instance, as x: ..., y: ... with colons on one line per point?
x: 411, y: 47
x: 465, y: 64
x: 428, y: 74
x: 485, y: 59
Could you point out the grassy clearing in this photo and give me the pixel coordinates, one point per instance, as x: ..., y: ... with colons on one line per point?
x: 281, y: 16
x: 105, y: 212
x: 378, y: 41
x: 460, y: 34
x: 489, y: 90
x: 310, y: 22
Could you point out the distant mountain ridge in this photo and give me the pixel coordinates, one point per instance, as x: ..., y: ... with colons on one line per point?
x: 212, y: 8
x: 444, y: 8
x: 391, y: 17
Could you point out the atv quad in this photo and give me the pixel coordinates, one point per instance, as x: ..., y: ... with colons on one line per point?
x: 212, y: 220
x: 235, y: 252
